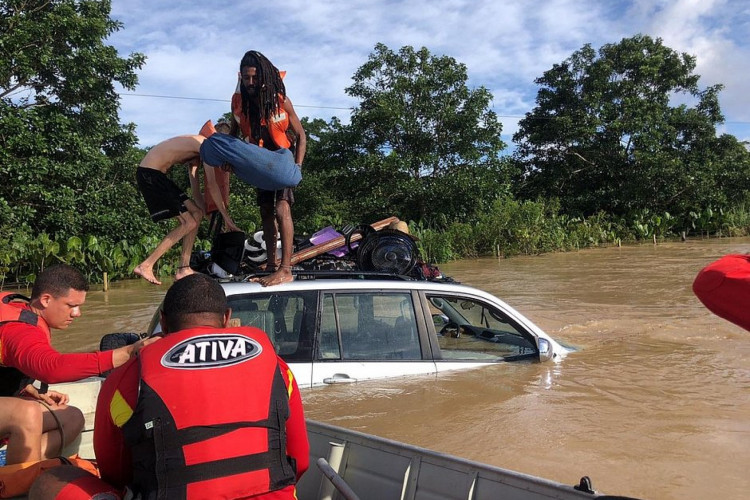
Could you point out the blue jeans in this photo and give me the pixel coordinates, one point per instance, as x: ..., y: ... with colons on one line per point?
x: 269, y: 170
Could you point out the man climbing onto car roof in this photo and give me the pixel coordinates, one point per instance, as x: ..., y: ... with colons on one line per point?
x: 165, y: 200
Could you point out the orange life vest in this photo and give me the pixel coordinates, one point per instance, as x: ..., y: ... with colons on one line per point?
x: 15, y: 480
x: 277, y: 128
x: 13, y: 308
x: 210, y: 421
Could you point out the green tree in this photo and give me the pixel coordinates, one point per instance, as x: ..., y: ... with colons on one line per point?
x: 320, y: 201
x: 612, y: 131
x: 66, y: 160
x: 421, y: 144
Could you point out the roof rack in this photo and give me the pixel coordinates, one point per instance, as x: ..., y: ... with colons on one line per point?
x: 313, y: 274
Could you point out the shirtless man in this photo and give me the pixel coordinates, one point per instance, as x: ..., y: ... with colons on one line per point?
x: 165, y: 200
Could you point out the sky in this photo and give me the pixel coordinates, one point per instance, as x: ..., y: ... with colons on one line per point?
x: 193, y: 49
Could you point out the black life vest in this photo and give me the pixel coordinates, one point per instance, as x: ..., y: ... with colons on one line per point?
x: 13, y: 380
x: 210, y: 421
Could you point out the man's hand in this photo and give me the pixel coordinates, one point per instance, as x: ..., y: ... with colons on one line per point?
x: 122, y: 354
x: 52, y: 398
x: 143, y: 343
x: 231, y: 225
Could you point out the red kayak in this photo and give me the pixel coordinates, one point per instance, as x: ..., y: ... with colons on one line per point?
x: 724, y: 288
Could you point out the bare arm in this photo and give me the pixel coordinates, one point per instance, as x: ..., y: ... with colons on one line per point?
x: 213, y: 188
x: 122, y: 354
x: 195, y: 188
x: 294, y: 121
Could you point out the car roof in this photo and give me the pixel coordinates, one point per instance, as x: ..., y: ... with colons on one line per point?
x: 352, y: 283
x: 373, y: 283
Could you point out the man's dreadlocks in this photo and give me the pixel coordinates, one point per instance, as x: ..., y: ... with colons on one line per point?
x: 266, y: 102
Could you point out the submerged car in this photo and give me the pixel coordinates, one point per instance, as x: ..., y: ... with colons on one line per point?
x: 347, y: 327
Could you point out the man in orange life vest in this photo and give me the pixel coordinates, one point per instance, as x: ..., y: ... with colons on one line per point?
x: 209, y: 411
x: 36, y: 431
x: 264, y: 115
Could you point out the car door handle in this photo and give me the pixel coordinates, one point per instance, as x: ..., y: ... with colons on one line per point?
x: 339, y: 378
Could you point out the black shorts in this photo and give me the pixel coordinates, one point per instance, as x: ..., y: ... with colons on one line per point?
x: 163, y: 198
x: 269, y: 198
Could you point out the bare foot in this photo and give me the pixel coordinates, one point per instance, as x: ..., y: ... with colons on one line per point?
x: 146, y: 273
x: 183, y: 271
x: 283, y: 275
x: 267, y: 267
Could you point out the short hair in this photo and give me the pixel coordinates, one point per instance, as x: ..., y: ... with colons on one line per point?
x: 194, y: 294
x: 58, y: 280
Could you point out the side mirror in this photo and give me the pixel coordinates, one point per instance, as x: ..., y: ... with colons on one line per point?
x: 545, y: 349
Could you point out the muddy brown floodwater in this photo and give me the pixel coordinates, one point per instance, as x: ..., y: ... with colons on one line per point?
x: 654, y: 404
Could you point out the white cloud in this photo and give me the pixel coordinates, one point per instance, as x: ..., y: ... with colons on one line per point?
x: 194, y: 48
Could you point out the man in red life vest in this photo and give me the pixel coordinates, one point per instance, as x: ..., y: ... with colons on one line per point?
x: 264, y: 115
x: 209, y: 411
x: 36, y: 431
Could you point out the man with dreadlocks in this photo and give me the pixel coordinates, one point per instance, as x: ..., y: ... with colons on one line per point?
x: 264, y: 115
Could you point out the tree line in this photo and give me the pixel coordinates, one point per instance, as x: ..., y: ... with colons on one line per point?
x: 621, y: 145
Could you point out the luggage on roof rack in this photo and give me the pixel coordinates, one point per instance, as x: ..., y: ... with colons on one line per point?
x: 381, y: 250
x: 313, y: 274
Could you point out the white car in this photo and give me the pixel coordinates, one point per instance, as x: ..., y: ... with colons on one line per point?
x: 347, y: 327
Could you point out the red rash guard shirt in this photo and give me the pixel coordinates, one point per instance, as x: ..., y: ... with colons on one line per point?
x: 27, y: 348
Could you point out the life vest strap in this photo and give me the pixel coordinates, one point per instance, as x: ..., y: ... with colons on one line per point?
x: 191, y: 435
x: 15, y: 297
x: 219, y: 468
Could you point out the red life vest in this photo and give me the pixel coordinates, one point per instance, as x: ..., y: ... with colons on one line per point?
x: 724, y: 288
x: 14, y: 308
x: 210, y: 421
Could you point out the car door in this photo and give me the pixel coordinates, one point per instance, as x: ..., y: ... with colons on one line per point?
x: 471, y: 331
x: 288, y: 318
x: 367, y: 335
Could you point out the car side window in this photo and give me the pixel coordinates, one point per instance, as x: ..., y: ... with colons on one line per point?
x: 469, y: 329
x: 288, y: 319
x: 368, y: 326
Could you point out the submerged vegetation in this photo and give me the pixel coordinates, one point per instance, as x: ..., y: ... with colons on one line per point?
x: 604, y: 158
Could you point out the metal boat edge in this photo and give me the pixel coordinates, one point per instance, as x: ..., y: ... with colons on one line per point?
x: 374, y: 467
